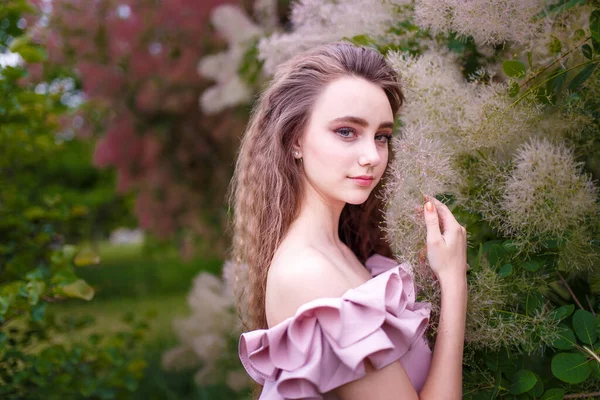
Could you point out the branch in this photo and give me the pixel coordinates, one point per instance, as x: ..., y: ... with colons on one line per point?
x: 590, y: 304
x: 554, y: 62
x: 552, y: 76
x: 570, y: 291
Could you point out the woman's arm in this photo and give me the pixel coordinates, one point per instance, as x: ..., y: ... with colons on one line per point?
x: 445, y: 375
x: 446, y: 251
x: 447, y: 256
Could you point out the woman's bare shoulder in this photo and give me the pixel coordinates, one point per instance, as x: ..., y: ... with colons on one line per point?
x: 297, y: 276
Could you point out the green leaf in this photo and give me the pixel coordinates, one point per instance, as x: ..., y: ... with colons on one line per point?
x: 13, y: 73
x: 510, y: 246
x: 578, y: 34
x: 19, y: 43
x: 522, y: 382
x: 584, y: 325
x: 531, y: 265
x: 596, y: 45
x: 553, y: 394
x: 587, y: 51
x: 34, y: 290
x: 38, y: 311
x: 530, y: 59
x: 555, y: 45
x: 505, y: 270
x: 582, y: 76
x: 596, y: 370
x: 533, y: 303
x: 598, y: 325
x: 495, y: 253
x: 563, y: 312
x: 538, y: 389
x: 86, y: 257
x: 78, y: 289
x: 570, y: 367
x: 361, y: 40
x: 514, y: 89
x: 514, y: 68
x: 595, y: 25
x: 32, y: 54
x: 566, y: 339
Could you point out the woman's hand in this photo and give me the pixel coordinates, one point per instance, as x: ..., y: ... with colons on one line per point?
x: 446, y: 242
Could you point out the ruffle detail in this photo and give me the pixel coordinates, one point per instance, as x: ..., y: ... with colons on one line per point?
x: 324, y: 344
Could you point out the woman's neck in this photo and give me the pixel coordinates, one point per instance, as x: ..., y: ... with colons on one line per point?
x: 319, y: 219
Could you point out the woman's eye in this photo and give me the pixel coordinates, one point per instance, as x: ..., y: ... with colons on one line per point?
x: 383, y: 138
x: 345, y: 132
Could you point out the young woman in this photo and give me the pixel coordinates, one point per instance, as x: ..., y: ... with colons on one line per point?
x: 331, y: 314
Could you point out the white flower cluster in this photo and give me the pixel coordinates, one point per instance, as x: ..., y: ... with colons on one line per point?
x: 421, y: 166
x: 466, y: 115
x: 204, y: 334
x: 239, y: 31
x: 318, y: 22
x: 546, y: 195
x: 488, y: 22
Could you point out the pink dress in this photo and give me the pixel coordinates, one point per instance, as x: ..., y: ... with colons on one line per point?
x: 324, y: 344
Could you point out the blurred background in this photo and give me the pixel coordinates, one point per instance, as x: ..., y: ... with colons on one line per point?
x: 119, y: 123
x: 112, y: 203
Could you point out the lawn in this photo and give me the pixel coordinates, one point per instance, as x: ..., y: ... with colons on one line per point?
x: 128, y: 279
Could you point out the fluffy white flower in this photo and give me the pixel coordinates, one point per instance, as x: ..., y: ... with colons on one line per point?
x: 204, y: 334
x: 466, y: 115
x: 239, y: 30
x: 422, y: 165
x: 238, y: 380
x: 487, y: 22
x: 209, y: 346
x: 546, y: 195
x: 265, y: 12
x: 180, y: 358
x: 318, y: 22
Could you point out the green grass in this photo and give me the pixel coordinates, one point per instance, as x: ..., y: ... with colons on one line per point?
x: 109, y: 313
x: 131, y: 272
x: 128, y: 279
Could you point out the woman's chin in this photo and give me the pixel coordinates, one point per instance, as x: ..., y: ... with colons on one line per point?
x: 358, y: 198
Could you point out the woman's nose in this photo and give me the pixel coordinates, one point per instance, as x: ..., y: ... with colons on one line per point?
x: 369, y: 154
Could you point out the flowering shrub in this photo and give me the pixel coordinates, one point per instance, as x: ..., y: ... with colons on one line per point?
x: 135, y: 64
x: 500, y: 122
x: 210, y: 334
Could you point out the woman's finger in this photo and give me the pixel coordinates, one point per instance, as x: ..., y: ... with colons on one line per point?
x: 446, y: 217
x: 434, y: 233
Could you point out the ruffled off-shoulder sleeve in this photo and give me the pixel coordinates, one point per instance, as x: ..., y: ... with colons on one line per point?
x: 324, y: 344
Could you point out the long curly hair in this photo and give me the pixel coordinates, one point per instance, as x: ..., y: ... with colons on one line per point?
x: 267, y: 186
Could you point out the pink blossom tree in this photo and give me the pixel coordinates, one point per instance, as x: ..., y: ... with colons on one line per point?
x: 136, y: 62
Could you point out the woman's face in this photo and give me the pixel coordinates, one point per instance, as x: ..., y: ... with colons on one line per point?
x: 344, y: 148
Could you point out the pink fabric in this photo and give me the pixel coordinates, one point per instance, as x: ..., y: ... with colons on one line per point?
x: 324, y: 344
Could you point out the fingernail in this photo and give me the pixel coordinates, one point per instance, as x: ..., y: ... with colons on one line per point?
x: 429, y: 206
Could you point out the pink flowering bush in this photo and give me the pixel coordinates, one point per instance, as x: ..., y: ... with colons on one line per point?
x: 136, y: 61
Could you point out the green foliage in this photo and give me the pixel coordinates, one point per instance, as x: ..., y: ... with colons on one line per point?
x: 514, y: 68
x: 101, y: 366
x: 571, y: 367
x: 39, y: 215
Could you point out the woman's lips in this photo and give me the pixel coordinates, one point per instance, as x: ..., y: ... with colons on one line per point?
x: 363, y: 180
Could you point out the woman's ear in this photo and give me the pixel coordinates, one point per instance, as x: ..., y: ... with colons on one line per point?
x: 297, y: 148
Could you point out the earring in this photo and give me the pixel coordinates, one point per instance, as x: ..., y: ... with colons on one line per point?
x: 296, y: 154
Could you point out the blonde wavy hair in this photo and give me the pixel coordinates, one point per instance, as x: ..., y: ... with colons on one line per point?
x: 267, y: 186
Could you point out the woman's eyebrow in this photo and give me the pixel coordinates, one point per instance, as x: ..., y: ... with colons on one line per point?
x: 362, y: 122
